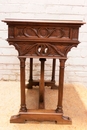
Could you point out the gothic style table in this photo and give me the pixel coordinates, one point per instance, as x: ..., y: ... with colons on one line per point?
x: 42, y: 39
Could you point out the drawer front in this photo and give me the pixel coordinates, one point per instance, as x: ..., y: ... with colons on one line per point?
x: 43, y: 33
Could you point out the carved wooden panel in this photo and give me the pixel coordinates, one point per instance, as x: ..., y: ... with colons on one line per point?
x: 40, y: 32
x: 26, y: 32
x: 42, y: 49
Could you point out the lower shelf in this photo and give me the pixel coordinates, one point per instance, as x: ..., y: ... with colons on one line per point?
x: 40, y: 115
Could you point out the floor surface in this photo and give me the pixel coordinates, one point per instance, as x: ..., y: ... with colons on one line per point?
x: 74, y: 106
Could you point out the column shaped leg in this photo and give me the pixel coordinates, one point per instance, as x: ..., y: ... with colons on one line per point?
x: 53, y: 70
x: 60, y: 88
x: 53, y: 86
x: 31, y: 69
x: 22, y: 84
x: 30, y: 84
x: 41, y: 85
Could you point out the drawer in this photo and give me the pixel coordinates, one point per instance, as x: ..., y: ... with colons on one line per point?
x: 43, y: 33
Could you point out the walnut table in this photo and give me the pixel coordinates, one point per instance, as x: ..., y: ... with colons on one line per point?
x: 42, y: 39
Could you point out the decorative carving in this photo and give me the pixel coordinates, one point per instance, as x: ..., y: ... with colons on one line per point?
x: 43, y: 32
x: 68, y: 48
x: 43, y: 49
x: 29, y: 32
x: 46, y: 49
x: 65, y: 48
x: 58, y: 33
x: 38, y: 49
x: 19, y: 32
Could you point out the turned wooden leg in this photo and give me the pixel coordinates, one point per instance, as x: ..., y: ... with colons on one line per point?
x: 62, y: 119
x: 53, y: 70
x: 60, y: 89
x: 22, y: 84
x: 41, y: 85
x: 31, y: 69
x: 53, y: 86
x: 29, y: 85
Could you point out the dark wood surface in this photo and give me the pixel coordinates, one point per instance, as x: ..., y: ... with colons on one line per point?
x: 42, y: 39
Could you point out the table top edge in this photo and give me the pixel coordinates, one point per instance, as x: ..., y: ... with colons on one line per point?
x: 8, y: 20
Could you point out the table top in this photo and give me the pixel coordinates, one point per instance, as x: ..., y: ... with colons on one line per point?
x: 7, y: 20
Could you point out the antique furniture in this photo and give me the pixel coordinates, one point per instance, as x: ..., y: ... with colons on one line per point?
x: 42, y: 39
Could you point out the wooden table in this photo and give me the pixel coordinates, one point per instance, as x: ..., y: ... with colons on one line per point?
x: 42, y: 39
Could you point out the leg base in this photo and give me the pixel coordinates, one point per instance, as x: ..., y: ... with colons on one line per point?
x: 41, y: 115
x: 64, y: 120
x: 17, y: 119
